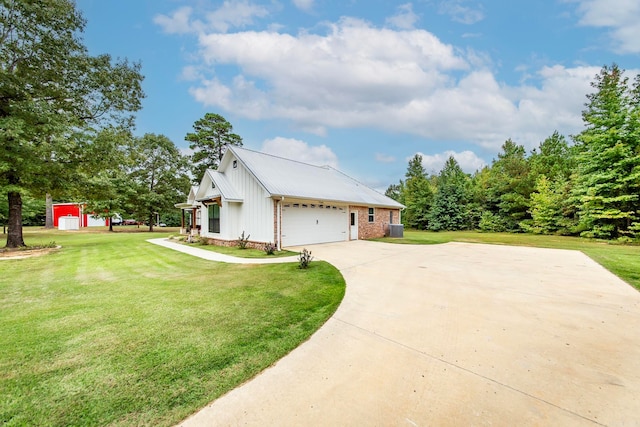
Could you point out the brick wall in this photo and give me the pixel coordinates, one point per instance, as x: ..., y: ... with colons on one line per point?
x: 379, y: 227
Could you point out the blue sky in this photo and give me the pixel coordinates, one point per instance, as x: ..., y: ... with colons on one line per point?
x: 363, y: 85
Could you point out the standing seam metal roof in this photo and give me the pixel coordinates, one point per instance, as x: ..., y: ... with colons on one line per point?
x: 290, y: 178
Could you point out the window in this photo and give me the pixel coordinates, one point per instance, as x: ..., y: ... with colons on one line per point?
x: 235, y: 164
x: 214, y: 218
x: 371, y: 215
x: 213, y: 184
x: 390, y: 217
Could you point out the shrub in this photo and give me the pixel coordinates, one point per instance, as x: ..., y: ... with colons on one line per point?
x: 304, y: 259
x: 270, y: 248
x: 243, y: 241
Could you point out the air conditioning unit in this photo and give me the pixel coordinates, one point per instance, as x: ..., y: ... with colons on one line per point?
x: 396, y: 230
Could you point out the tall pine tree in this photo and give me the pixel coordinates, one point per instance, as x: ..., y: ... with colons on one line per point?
x: 212, y: 134
x: 608, y: 155
x: 449, y: 210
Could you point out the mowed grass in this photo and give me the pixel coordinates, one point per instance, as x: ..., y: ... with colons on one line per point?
x: 112, y: 330
x: 622, y: 260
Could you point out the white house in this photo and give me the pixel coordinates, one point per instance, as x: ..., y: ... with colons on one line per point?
x: 285, y: 202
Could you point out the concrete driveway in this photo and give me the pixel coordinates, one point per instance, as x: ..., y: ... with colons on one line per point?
x: 456, y: 335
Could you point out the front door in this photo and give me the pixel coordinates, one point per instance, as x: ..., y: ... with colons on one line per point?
x: 354, y: 225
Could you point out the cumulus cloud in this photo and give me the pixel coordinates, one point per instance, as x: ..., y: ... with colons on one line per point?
x: 231, y: 14
x: 468, y: 161
x: 405, y: 18
x: 295, y: 149
x: 621, y: 17
x: 460, y: 12
x: 178, y: 22
x: 354, y: 74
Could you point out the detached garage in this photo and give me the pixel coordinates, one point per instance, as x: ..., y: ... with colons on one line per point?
x: 286, y: 202
x: 72, y: 216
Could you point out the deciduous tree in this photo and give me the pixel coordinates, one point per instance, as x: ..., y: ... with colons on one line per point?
x: 51, y: 90
x: 159, y: 174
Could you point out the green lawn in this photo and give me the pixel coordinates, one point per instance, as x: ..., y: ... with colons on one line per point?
x: 622, y: 260
x: 113, y: 330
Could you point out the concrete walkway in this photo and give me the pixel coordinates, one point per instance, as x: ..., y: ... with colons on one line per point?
x: 456, y: 335
x: 215, y: 256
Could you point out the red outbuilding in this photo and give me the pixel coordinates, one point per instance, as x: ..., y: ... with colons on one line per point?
x: 76, y: 210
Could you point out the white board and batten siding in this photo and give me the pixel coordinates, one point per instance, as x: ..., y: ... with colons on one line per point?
x: 254, y: 215
x: 256, y: 212
x: 305, y: 223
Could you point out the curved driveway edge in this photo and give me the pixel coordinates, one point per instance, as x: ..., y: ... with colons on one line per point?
x: 215, y: 256
x: 456, y: 334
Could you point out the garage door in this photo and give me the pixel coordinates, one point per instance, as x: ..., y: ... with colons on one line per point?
x: 306, y: 223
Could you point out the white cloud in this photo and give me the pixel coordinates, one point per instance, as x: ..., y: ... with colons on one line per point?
x: 459, y: 12
x: 295, y: 149
x: 231, y: 14
x: 305, y: 5
x: 178, y: 22
x: 621, y: 16
x: 356, y: 75
x: 405, y: 19
x: 384, y: 158
x: 468, y: 161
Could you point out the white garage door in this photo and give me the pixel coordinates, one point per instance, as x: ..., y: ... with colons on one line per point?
x: 306, y: 223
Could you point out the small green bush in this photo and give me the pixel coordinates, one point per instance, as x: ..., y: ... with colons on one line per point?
x: 270, y: 248
x: 304, y: 259
x: 243, y: 241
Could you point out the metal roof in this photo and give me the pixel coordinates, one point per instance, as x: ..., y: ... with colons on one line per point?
x: 222, y: 188
x: 290, y: 178
x: 227, y: 190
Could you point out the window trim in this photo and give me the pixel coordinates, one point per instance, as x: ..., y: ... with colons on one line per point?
x: 214, y: 222
x: 372, y: 215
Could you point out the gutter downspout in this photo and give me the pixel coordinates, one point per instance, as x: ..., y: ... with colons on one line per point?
x: 279, y: 221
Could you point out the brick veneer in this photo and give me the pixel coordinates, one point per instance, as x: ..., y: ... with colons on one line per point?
x: 379, y: 227
x: 232, y: 243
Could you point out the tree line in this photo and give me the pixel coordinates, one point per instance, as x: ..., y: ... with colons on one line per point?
x: 587, y: 185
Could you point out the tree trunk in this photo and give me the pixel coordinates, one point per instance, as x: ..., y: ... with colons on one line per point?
x: 110, y: 219
x: 14, y: 237
x: 48, y: 222
x: 151, y: 222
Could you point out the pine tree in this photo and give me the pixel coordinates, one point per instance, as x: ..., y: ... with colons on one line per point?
x: 608, y: 182
x: 212, y: 134
x: 449, y: 210
x: 417, y: 195
x: 508, y: 186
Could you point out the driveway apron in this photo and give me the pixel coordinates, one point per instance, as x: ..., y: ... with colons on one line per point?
x: 456, y: 334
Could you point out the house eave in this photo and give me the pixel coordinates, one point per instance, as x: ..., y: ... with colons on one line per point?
x: 185, y: 205
x: 285, y: 197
